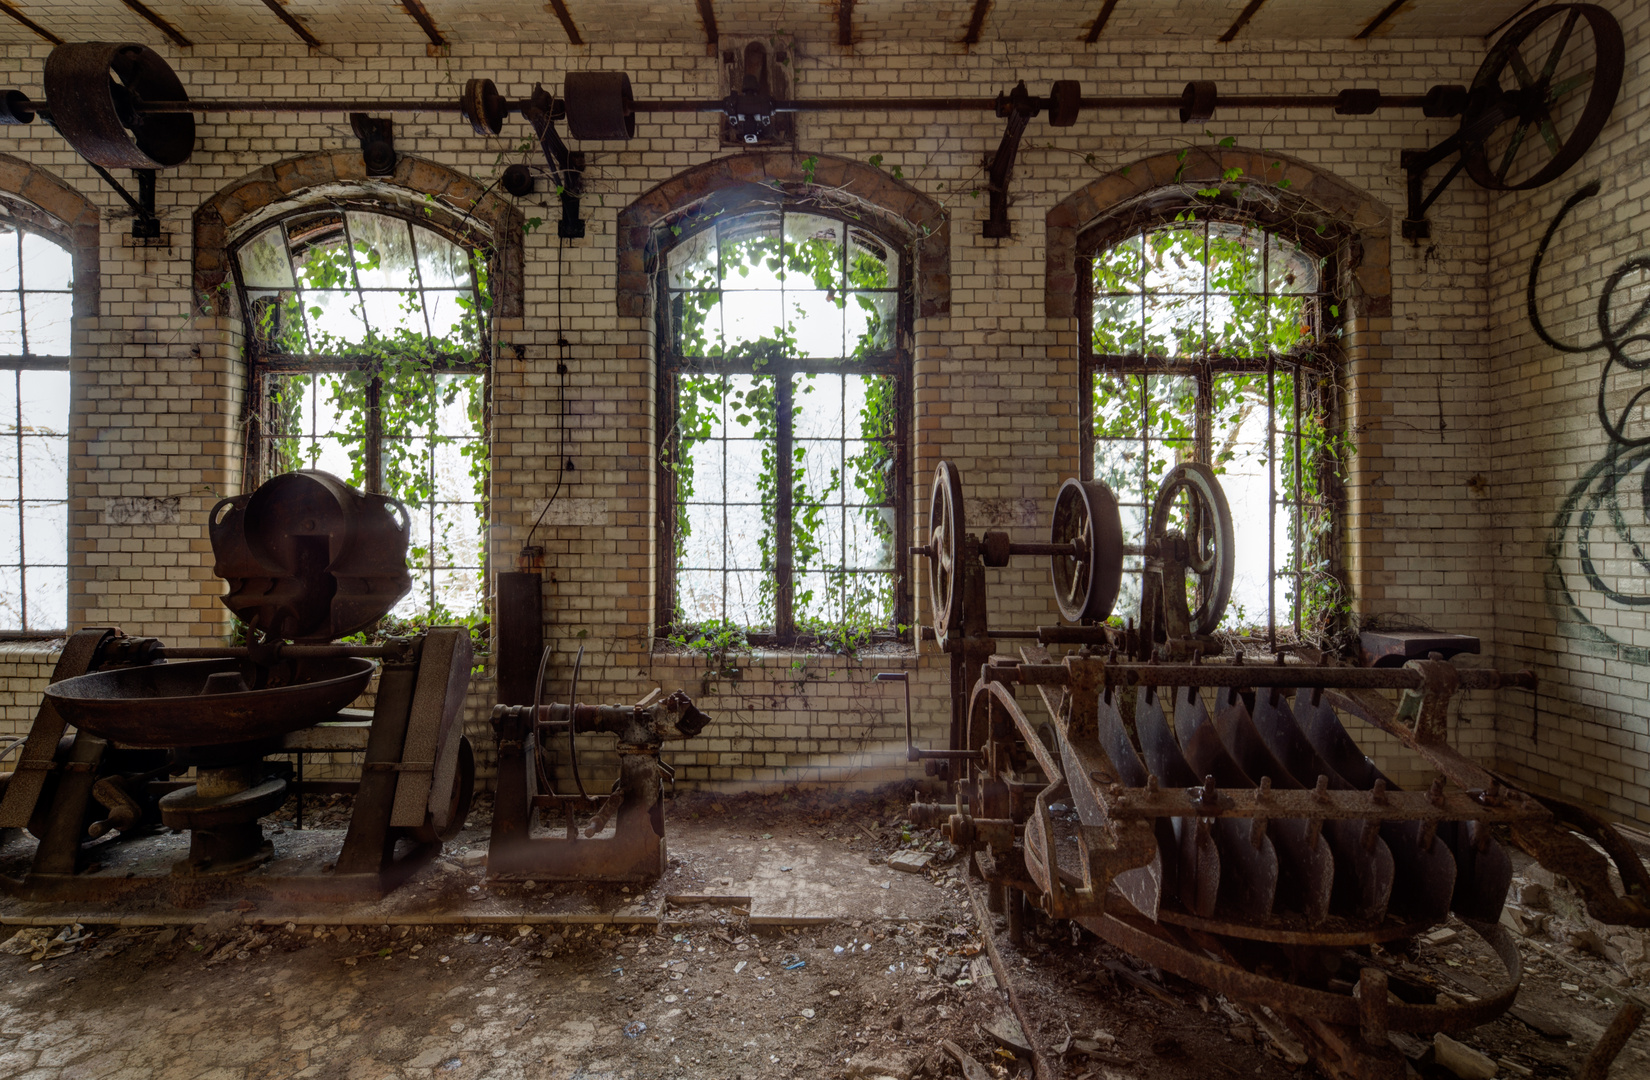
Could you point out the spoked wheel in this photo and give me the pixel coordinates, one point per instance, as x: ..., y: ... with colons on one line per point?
x: 1087, y: 581
x: 1542, y: 96
x: 1191, y: 489
x: 946, y: 522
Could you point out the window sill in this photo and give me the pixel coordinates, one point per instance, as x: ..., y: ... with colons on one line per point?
x: 889, y: 654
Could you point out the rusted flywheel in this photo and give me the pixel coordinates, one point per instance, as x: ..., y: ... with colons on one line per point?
x: 946, y: 524
x: 1206, y: 521
x: 1086, y: 517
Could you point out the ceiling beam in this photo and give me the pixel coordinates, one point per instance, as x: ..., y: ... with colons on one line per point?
x: 976, y: 22
x: 1504, y: 23
x: 30, y: 23
x: 291, y: 20
x: 1243, y: 18
x: 160, y: 24
x: 707, y: 19
x: 427, y: 24
x: 1380, y: 19
x: 566, y: 17
x: 1100, y: 21
x: 845, y: 23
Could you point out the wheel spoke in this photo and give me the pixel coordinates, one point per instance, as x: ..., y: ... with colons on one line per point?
x: 1521, y: 72
x: 1551, y: 65
x: 1551, y: 136
x: 1559, y: 89
x: 1512, y: 150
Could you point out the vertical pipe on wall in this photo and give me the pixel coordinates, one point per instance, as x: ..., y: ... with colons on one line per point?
x: 520, y: 628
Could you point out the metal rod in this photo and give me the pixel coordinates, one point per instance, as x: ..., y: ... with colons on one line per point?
x: 296, y: 652
x: 1246, y: 676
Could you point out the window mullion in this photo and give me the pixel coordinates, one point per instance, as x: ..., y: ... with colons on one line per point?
x: 374, y: 434
x: 783, y: 614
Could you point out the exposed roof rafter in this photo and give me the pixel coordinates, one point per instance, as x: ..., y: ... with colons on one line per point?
x: 30, y: 23
x: 1243, y: 18
x: 427, y: 24
x: 559, y: 10
x: 1380, y: 19
x: 707, y: 18
x: 291, y: 20
x: 160, y: 24
x: 976, y: 22
x: 1100, y: 21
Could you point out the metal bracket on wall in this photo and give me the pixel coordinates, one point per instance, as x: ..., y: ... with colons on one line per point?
x: 145, y: 224
x: 542, y: 110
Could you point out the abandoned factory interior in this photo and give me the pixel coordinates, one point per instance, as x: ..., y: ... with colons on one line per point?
x: 840, y: 539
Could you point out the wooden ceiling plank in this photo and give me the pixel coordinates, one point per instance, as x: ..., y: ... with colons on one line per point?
x: 292, y: 23
x: 1504, y: 23
x: 30, y: 23
x: 560, y: 10
x: 707, y: 18
x: 976, y: 22
x: 1380, y: 19
x: 845, y: 23
x: 422, y: 17
x: 1243, y: 18
x: 160, y: 24
x: 1100, y: 21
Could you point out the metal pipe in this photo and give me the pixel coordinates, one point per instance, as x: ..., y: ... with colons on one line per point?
x: 1254, y: 676
x: 294, y: 652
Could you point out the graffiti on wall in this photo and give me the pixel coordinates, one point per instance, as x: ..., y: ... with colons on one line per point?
x: 1599, y: 548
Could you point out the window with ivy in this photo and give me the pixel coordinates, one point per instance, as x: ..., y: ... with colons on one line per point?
x: 36, y: 305
x: 783, y: 380
x: 368, y: 336
x: 1212, y: 340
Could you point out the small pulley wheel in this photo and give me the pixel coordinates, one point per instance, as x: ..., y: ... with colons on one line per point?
x: 1087, y: 581
x: 96, y: 91
x: 483, y: 106
x: 1198, y: 100
x: 1210, y: 538
x: 1525, y: 123
x: 439, y: 828
x: 599, y: 105
x: 1065, y: 103
x: 946, y: 522
x: 518, y: 181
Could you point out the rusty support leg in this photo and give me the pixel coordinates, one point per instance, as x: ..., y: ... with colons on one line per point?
x: 1622, y: 1025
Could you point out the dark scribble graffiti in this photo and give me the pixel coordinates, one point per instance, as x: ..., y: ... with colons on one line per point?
x: 1599, y: 549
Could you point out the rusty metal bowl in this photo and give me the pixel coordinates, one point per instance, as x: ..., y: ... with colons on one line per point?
x: 209, y: 702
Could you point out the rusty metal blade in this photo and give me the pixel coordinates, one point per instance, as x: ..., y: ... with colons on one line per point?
x: 1484, y: 870
x: 1143, y: 887
x: 1363, y: 871
x: 1306, y: 868
x: 1426, y: 875
x: 1244, y: 744
x: 1328, y: 736
x: 1199, y: 866
x: 1200, y: 742
x: 1249, y: 874
x: 1158, y: 744
x: 1283, y: 737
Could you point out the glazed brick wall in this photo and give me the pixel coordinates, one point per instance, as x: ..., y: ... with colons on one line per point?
x: 1585, y: 734
x: 995, y: 376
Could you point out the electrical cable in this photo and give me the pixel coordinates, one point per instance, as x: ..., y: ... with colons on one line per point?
x: 561, y: 401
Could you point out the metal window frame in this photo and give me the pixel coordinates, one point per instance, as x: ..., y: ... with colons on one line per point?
x: 897, y: 364
x: 1322, y: 362
x: 258, y: 412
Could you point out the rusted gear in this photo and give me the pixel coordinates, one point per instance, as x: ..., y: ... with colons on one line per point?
x: 1086, y: 517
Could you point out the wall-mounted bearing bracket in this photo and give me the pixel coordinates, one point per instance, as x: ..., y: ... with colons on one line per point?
x: 377, y: 137
x: 145, y: 223
x: 1064, y: 103
x: 542, y: 110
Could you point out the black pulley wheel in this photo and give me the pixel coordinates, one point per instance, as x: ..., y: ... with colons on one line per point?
x: 518, y: 181
x: 1542, y: 96
x: 96, y: 90
x: 483, y: 106
x: 1065, y: 103
x: 1087, y: 581
x: 439, y: 830
x: 945, y: 530
x: 599, y: 105
x: 1210, y: 536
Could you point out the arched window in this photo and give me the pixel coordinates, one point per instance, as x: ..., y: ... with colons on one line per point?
x: 783, y: 378
x: 1211, y: 339
x: 36, y: 306
x: 367, y: 332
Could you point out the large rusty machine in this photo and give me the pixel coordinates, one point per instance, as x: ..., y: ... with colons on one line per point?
x: 1213, y: 815
x: 308, y: 559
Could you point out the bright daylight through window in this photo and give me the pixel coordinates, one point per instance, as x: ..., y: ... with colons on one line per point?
x: 783, y: 377
x: 368, y: 337
x: 1209, y: 341
x: 36, y: 303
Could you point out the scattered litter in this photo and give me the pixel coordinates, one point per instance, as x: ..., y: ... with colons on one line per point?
x: 807, y: 1014
x: 971, y: 1069
x: 1007, y: 1033
x: 912, y: 862
x: 1460, y: 1059
x: 838, y: 950
x: 794, y: 964
x: 740, y: 966
x: 634, y: 1028
x: 450, y: 1064
x: 1442, y: 936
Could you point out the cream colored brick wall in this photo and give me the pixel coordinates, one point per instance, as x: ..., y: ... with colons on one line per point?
x: 995, y: 380
x: 1584, y: 736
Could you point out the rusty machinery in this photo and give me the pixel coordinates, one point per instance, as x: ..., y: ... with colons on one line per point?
x: 308, y: 559
x: 635, y: 807
x: 1213, y: 816
x: 1522, y: 123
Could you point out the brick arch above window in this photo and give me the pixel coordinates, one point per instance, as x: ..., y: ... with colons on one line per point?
x: 1364, y: 221
x: 44, y: 202
x: 279, y: 189
x: 835, y: 182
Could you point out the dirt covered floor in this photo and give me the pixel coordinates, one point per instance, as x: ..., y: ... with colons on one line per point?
x: 882, y: 974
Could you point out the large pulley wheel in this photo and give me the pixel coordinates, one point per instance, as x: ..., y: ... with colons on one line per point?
x: 483, y: 106
x: 1542, y: 96
x: 442, y: 826
x: 96, y: 90
x: 946, y: 523
x: 599, y: 105
x: 1087, y: 581
x: 1210, y: 538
